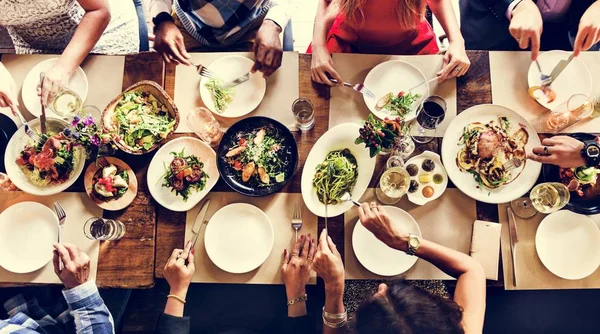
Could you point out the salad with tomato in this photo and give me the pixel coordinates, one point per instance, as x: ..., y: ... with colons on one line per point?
x: 397, y: 104
x: 110, y: 183
x: 184, y: 174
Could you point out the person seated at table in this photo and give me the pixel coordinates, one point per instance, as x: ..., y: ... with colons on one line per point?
x: 72, y: 29
x: 226, y: 25
x: 396, y: 27
x: 87, y: 312
x: 511, y: 25
x: 567, y: 152
x: 402, y: 308
x: 295, y: 271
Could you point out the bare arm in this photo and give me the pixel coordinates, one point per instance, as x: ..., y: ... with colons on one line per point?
x: 326, y: 14
x: 444, y: 12
x: 322, y: 64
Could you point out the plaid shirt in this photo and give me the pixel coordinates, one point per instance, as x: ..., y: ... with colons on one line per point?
x: 85, y: 313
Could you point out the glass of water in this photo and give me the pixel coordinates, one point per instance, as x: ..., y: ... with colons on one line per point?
x: 304, y: 112
x: 97, y: 228
x: 204, y: 124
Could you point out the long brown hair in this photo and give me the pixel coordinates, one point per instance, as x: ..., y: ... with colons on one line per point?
x: 409, y: 12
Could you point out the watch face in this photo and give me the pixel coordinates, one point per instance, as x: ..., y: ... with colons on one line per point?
x: 593, y: 151
x: 413, y: 242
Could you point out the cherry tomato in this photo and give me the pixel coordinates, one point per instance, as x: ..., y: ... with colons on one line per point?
x: 401, y: 94
x: 237, y: 165
x: 242, y: 142
x: 180, y: 175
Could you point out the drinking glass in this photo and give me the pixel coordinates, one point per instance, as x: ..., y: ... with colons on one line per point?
x: 404, y: 147
x: 206, y: 127
x: 393, y: 184
x: 523, y: 208
x: 430, y: 116
x: 97, y: 228
x: 304, y: 113
x: 65, y: 103
x: 575, y: 109
x: 394, y: 161
x: 91, y: 111
x: 549, y: 197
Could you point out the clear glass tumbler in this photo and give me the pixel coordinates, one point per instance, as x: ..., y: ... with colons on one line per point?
x: 304, y: 112
x: 206, y: 127
x: 575, y: 109
x: 97, y: 228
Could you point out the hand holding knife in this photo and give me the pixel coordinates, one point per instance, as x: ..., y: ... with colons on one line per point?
x: 200, y: 220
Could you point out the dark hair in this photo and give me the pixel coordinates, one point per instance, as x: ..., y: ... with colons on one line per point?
x: 408, y: 310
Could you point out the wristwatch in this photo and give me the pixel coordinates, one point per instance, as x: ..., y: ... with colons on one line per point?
x: 160, y: 18
x: 591, y: 153
x: 413, y: 244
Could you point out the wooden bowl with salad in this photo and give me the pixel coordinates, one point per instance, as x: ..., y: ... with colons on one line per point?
x: 140, y: 118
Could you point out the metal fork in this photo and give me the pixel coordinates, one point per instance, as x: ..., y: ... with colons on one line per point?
x: 542, y: 75
x: 361, y: 88
x: 204, y: 71
x: 297, y: 219
x: 512, y: 164
x: 62, y: 218
x: 28, y: 131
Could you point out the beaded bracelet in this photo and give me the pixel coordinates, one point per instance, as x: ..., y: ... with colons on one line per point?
x: 297, y: 300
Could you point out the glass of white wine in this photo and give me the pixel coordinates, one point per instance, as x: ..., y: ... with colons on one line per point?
x: 393, y: 184
x: 66, y: 103
x: 549, y: 197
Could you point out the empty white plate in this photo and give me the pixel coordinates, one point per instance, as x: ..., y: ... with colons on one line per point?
x: 248, y: 95
x: 78, y: 83
x: 568, y: 244
x: 376, y: 256
x: 27, y: 232
x: 239, y: 238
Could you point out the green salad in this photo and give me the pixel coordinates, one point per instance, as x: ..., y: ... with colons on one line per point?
x: 222, y: 96
x: 142, y: 120
x: 398, y: 105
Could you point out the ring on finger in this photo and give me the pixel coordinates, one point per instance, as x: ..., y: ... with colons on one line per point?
x: 295, y: 255
x: 457, y: 69
x: 546, y: 152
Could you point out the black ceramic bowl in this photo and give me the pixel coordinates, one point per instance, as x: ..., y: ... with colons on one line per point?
x: 232, y: 177
x: 586, y: 206
x: 7, y: 130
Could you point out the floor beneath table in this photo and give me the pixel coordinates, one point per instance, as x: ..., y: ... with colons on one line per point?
x: 548, y: 312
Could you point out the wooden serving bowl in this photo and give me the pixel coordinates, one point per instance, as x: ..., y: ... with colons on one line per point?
x: 145, y: 86
x: 114, y: 204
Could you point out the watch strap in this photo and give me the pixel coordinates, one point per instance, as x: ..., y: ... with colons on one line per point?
x: 160, y: 18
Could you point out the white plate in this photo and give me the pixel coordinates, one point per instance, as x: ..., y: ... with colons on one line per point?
x: 239, y: 238
x: 575, y: 78
x: 337, y: 138
x: 394, y: 76
x: 163, y: 157
x: 463, y: 180
x: 438, y: 189
x: 16, y: 145
x: 78, y: 83
x: 567, y: 243
x: 248, y: 95
x: 27, y: 232
x: 376, y: 256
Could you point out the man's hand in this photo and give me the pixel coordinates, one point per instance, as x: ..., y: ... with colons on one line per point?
x: 267, y: 48
x: 526, y: 26
x: 374, y: 219
x: 179, y: 270
x: 76, y: 265
x: 328, y: 263
x: 168, y: 41
x: 563, y: 151
x: 588, y: 33
x: 297, y: 266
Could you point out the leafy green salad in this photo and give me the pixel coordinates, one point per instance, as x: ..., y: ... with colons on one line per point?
x: 222, y: 96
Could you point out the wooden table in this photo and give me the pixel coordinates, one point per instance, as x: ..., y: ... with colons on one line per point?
x: 472, y: 89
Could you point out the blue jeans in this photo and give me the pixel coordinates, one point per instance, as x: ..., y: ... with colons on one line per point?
x: 288, y: 38
x: 143, y: 28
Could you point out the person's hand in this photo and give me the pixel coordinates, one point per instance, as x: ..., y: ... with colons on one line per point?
x: 328, y: 263
x: 526, y: 26
x: 54, y: 80
x: 456, y: 62
x: 563, y: 151
x: 322, y: 67
x: 168, y: 41
x: 267, y: 48
x: 297, y: 266
x: 377, y: 221
x: 76, y: 265
x: 179, y: 270
x: 8, y: 89
x: 588, y: 33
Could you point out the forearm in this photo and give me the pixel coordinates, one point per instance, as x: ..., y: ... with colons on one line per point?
x: 86, y: 36
x: 88, y: 309
x: 444, y: 12
x: 298, y: 309
x: 326, y: 14
x: 334, y: 303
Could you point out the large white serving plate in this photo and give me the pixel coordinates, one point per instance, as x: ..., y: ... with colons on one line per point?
x: 575, y: 78
x: 77, y: 83
x: 337, y: 138
x: 395, y: 76
x: 376, y: 256
x: 463, y: 180
x: 248, y: 95
x: 15, y: 147
x: 163, y: 195
x: 239, y: 238
x: 27, y: 232
x: 568, y: 244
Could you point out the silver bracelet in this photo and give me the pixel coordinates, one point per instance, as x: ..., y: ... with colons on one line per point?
x: 335, y: 316
x: 335, y: 324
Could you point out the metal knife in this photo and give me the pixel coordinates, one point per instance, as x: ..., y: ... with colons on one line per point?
x: 514, y: 239
x: 325, y: 200
x: 199, y: 221
x: 43, y: 115
x: 558, y: 70
x: 237, y: 81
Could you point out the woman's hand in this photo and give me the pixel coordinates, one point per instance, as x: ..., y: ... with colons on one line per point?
x: 456, y: 62
x: 297, y: 266
x: 322, y: 67
x: 563, y: 151
x: 52, y: 82
x: 588, y: 33
x: 374, y: 219
x: 179, y: 270
x: 8, y: 89
x: 328, y: 263
x: 168, y: 41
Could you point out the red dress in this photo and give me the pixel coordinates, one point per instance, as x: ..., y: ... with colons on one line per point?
x: 380, y: 33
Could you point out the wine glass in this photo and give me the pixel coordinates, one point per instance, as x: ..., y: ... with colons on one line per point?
x: 393, y: 184
x: 575, y: 109
x: 523, y: 208
x: 430, y: 116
